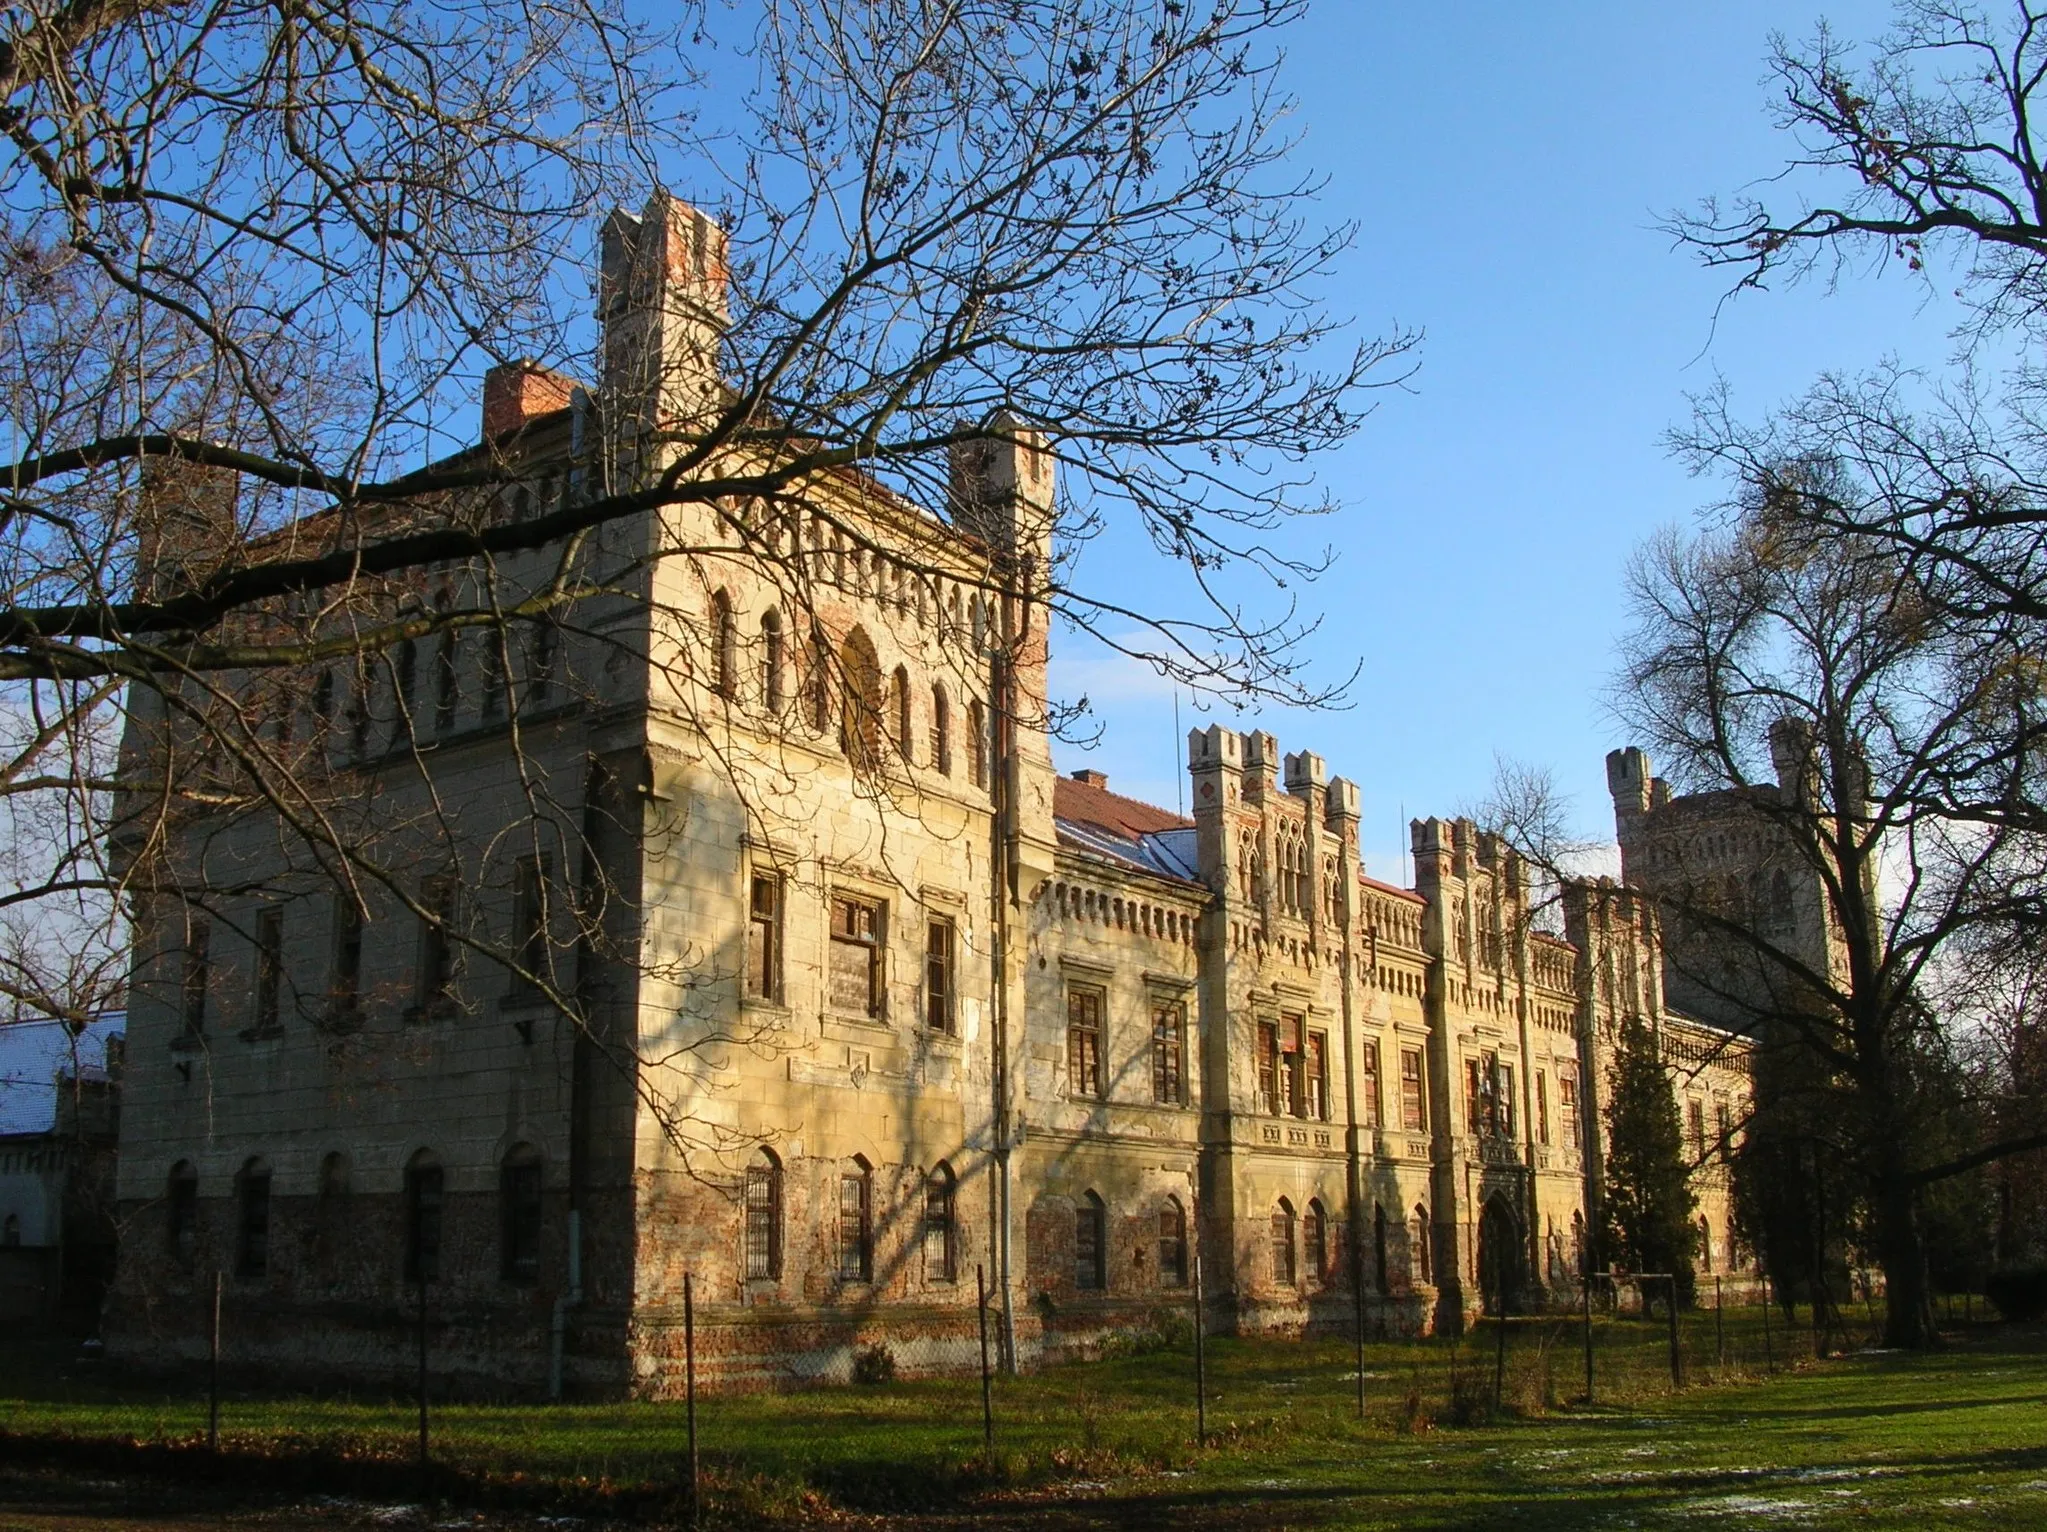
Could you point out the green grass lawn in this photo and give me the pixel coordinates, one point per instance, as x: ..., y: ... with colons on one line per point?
x: 1957, y: 1438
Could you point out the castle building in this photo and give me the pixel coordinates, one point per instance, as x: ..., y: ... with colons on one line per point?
x: 874, y: 1007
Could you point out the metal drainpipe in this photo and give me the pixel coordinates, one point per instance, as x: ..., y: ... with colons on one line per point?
x: 1000, y: 879
x: 572, y: 1299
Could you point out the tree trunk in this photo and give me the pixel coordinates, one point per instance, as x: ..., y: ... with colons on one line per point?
x: 1908, y: 1296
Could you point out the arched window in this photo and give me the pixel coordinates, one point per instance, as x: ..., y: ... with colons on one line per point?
x: 977, y: 743
x: 1418, y: 1240
x: 252, y: 1220
x: 856, y: 1222
x: 860, y: 710
x: 764, y: 1218
x: 1090, y: 1244
x: 724, y: 647
x: 941, y: 731
x: 1706, y: 1245
x: 1284, y: 1271
x: 1315, y: 1243
x: 423, y: 1187
x: 519, y: 1215
x: 1578, y: 1251
x: 817, y: 683
x: 771, y: 660
x: 181, y: 1221
x: 1173, y: 1243
x: 899, y: 705
x: 941, y: 1228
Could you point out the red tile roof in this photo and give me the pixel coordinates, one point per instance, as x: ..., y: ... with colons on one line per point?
x: 1084, y: 803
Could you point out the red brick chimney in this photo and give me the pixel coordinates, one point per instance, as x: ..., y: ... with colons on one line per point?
x: 1092, y: 778
x: 516, y: 392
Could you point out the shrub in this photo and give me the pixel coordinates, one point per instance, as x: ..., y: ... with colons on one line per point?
x: 2019, y: 1290
x: 874, y: 1364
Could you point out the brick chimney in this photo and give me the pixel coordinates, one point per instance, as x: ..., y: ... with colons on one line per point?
x: 1092, y: 778
x: 516, y: 392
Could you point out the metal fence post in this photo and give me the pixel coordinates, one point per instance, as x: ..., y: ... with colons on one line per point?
x: 689, y: 1390
x: 213, y: 1370
x: 1200, y: 1365
x: 987, y: 1383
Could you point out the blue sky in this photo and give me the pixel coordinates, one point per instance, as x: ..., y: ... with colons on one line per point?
x: 1507, y: 165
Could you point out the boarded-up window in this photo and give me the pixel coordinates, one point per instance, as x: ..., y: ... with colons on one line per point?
x: 1090, y: 1244
x: 856, y: 956
x: 1284, y: 1272
x: 1414, y: 1108
x: 1168, y: 1050
x: 1368, y: 1083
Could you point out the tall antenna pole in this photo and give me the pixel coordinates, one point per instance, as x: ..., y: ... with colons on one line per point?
x: 1179, y: 772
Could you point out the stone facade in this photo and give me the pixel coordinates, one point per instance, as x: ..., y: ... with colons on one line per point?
x: 876, y: 1005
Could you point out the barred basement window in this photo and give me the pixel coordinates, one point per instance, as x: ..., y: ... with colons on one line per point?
x: 1084, y: 1042
x: 1284, y: 1271
x: 1315, y: 1243
x: 1173, y: 1244
x: 764, y: 1218
x: 856, y: 1223
x: 941, y: 1255
x: 519, y: 1187
x: 1090, y: 1244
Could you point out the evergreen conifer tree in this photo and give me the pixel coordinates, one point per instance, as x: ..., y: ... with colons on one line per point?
x: 1649, y: 1204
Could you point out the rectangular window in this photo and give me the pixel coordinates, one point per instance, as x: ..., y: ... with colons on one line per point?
x: 1695, y: 1114
x: 1474, y: 1096
x: 1084, y: 1042
x: 1503, y: 1100
x: 1295, y: 1062
x: 347, y: 987
x: 1318, y: 1076
x: 1723, y: 1130
x: 856, y: 1229
x: 977, y: 744
x: 1368, y: 1082
x: 1268, y: 1067
x: 447, y: 683
x: 520, y: 1192
x: 1168, y: 1050
x: 764, y: 937
x: 493, y: 704
x: 1414, y: 1101
x: 941, y: 1260
x: 529, y: 917
x: 856, y: 969
x: 269, y: 968
x: 764, y: 1221
x: 1541, y: 1107
x: 197, y: 975
x: 1090, y: 1245
x: 938, y: 977
x: 1567, y: 1106
x: 437, y: 947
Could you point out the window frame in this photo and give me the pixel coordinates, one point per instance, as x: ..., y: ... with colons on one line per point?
x: 941, y: 974
x: 439, y: 970
x: 874, y: 944
x: 1414, y: 1105
x: 1315, y: 1069
x: 856, y: 1235
x: 761, y: 1219
x: 766, y: 907
x: 252, y: 1221
x: 1268, y: 1057
x: 1281, y: 1246
x: 1172, y: 1239
x: 1090, y: 1244
x: 1084, y: 1077
x: 1169, y: 1050
x: 1368, y: 1082
x: 941, y: 1223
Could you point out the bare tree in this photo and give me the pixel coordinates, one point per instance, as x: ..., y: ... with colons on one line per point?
x: 257, y: 256
x: 1888, y: 752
